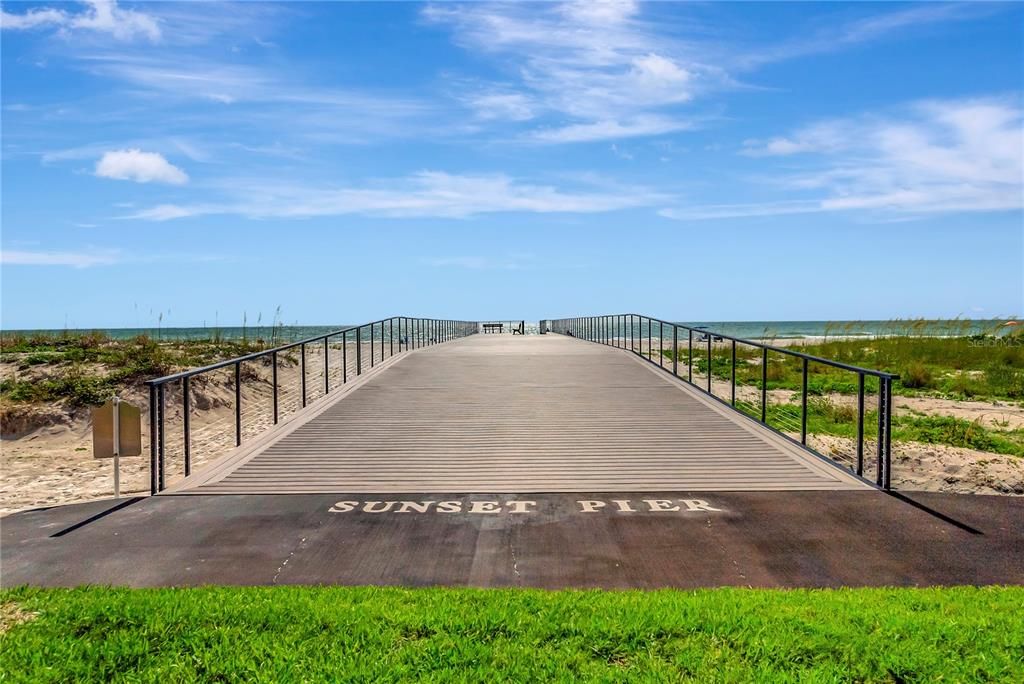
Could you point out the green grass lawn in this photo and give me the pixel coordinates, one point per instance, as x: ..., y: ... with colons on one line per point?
x: 343, y: 634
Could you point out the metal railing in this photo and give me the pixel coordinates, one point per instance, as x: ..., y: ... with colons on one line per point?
x: 355, y: 350
x: 714, y: 358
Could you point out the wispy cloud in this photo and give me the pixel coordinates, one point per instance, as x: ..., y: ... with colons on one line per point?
x: 839, y: 34
x: 934, y: 157
x: 597, y: 64
x: 424, y: 194
x: 59, y: 258
x: 141, y: 167
x: 612, y: 129
x: 100, y: 16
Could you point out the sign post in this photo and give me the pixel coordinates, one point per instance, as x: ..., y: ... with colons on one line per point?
x: 116, y: 432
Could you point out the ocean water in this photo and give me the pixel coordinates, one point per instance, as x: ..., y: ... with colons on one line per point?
x: 752, y: 330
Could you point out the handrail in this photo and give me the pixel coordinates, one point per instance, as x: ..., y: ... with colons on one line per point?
x: 412, y: 333
x: 770, y: 347
x: 264, y: 352
x: 621, y: 331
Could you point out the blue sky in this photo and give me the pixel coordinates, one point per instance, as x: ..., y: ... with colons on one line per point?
x: 349, y: 161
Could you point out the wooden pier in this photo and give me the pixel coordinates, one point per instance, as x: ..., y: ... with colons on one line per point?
x: 503, y: 414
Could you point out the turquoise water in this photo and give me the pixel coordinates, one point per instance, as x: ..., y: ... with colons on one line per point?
x: 754, y: 330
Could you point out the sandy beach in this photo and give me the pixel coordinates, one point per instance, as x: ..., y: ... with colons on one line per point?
x: 46, y: 452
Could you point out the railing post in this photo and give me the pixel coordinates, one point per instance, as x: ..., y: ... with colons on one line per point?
x: 373, y: 352
x: 391, y: 334
x: 238, y: 401
x: 344, y: 357
x: 675, y: 350
x: 359, y: 350
x: 888, y: 434
x: 153, y: 464
x: 732, y: 394
x: 689, y: 356
x: 273, y: 379
x: 860, y: 424
x: 302, y: 367
x: 709, y: 362
x: 327, y: 366
x: 803, y: 407
x: 661, y: 344
x: 764, y: 384
x: 883, y: 475
x: 186, y: 408
x: 161, y: 483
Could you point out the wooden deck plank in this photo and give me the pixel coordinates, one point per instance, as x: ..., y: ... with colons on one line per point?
x: 524, y: 414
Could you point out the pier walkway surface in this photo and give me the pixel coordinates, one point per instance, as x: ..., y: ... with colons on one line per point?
x: 529, y: 461
x: 497, y: 413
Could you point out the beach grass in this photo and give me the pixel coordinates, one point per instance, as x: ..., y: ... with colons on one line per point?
x: 982, y: 367
x: 89, y: 367
x: 825, y: 417
x: 958, y: 634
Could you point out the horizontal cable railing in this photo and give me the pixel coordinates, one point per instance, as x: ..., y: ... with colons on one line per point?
x: 739, y: 372
x: 198, y: 414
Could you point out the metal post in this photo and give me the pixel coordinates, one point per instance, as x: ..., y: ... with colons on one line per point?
x: 391, y: 334
x: 661, y: 344
x: 160, y: 437
x: 881, y: 430
x: 186, y: 409
x: 709, y: 363
x: 732, y: 395
x: 803, y: 408
x: 153, y: 467
x: 689, y: 357
x: 860, y: 424
x: 238, y: 402
x: 302, y: 366
x: 675, y: 349
x: 888, y: 434
x: 117, y: 446
x: 344, y: 357
x: 273, y: 374
x: 327, y: 366
x: 650, y: 340
x: 764, y: 384
x: 359, y: 350
x: 373, y: 352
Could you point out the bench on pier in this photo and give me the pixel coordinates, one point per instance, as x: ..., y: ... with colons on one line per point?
x: 493, y: 327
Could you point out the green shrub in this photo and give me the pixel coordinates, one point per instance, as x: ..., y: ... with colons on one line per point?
x: 916, y: 376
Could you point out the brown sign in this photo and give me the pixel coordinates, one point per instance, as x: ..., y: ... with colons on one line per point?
x: 128, y: 420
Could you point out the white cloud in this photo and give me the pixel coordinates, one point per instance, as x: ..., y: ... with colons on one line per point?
x: 841, y: 34
x: 75, y: 259
x: 34, y: 18
x: 596, y: 67
x: 101, y: 16
x: 141, y: 167
x: 825, y: 136
x: 504, y: 106
x: 934, y: 157
x: 611, y: 129
x: 428, y: 193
